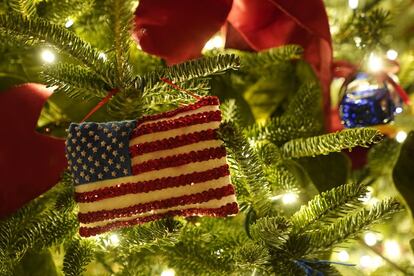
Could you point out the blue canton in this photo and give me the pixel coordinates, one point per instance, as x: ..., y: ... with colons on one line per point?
x: 99, y: 151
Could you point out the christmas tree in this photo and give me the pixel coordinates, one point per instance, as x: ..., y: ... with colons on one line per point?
x: 313, y: 128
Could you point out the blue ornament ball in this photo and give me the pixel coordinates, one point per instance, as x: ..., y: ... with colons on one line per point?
x: 367, y: 101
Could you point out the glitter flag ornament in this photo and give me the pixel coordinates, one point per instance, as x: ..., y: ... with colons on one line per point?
x: 167, y: 164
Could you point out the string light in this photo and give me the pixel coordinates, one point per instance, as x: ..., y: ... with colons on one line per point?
x: 343, y: 256
x: 392, y: 54
x: 215, y: 42
x: 392, y: 249
x: 113, y: 240
x: 401, y: 136
x: 48, y: 56
x: 375, y: 63
x: 289, y: 198
x: 370, y: 238
x: 69, y: 23
x: 353, y: 4
x: 168, y: 272
x: 102, y: 56
x: 398, y: 110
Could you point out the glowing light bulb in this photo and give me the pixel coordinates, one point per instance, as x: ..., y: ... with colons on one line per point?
x: 398, y: 110
x: 168, y: 272
x: 370, y: 238
x: 114, y: 240
x: 365, y: 261
x: 102, y: 56
x: 375, y: 63
x: 392, y: 249
x: 353, y: 4
x: 392, y: 54
x: 401, y: 136
x: 48, y: 56
x: 343, y: 256
x: 289, y: 198
x: 215, y: 42
x: 69, y: 23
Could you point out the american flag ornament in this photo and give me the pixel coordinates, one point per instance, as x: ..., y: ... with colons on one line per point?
x: 167, y: 164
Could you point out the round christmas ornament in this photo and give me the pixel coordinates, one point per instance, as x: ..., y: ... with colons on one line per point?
x: 30, y: 163
x: 368, y: 100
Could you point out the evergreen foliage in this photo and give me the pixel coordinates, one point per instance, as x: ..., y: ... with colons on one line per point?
x: 265, y: 238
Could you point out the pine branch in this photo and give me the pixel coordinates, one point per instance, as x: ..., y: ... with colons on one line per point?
x: 75, y: 81
x: 248, y: 172
x: 329, y: 205
x: 306, y: 101
x: 350, y: 226
x: 382, y: 157
x: 59, y: 11
x: 24, y: 7
x: 252, y: 257
x: 78, y: 254
x: 271, y: 57
x: 230, y: 112
x: 42, y: 30
x: 120, y: 22
x: 193, y: 69
x: 279, y: 130
x: 332, y: 142
x: 272, y: 231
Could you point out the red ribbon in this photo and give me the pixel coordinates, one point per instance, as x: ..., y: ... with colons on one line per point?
x: 100, y: 104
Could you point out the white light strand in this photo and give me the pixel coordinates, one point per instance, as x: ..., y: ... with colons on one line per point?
x: 168, y: 272
x: 215, y: 42
x: 401, y: 136
x: 375, y: 63
x: 353, y: 4
x: 392, y: 54
x: 48, y: 56
x: 69, y: 23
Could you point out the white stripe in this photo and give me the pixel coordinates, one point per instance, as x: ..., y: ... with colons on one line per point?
x: 150, y: 137
x: 134, y: 199
x: 206, y: 108
x: 175, y: 151
x: 151, y: 175
x: 214, y: 203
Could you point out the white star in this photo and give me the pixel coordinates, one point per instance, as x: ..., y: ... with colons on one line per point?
x: 121, y: 145
x: 106, y: 130
x: 109, y: 135
x: 96, y: 137
x: 89, y: 145
x: 84, y: 167
x: 123, y: 133
x: 114, y: 140
x: 113, y: 173
x: 91, y: 133
x: 122, y: 158
x: 78, y: 148
x: 83, y: 153
x: 97, y: 164
x: 125, y: 171
x: 79, y: 161
x: 73, y: 154
x: 103, y: 155
x: 73, y: 140
x: 87, y: 178
x: 90, y: 159
x: 115, y: 153
x: 109, y: 147
x: 83, y: 140
x: 110, y: 162
x: 75, y: 168
x: 78, y: 134
x: 100, y: 175
x: 106, y: 169
x: 82, y: 174
x: 103, y: 143
x: 99, y: 127
x: 92, y: 170
x: 95, y: 149
x: 118, y: 166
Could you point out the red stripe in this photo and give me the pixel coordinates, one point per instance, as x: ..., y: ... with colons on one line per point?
x: 157, y: 204
x: 179, y: 160
x: 210, y: 100
x: 189, y: 120
x: 228, y: 209
x: 173, y: 142
x: 152, y: 185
